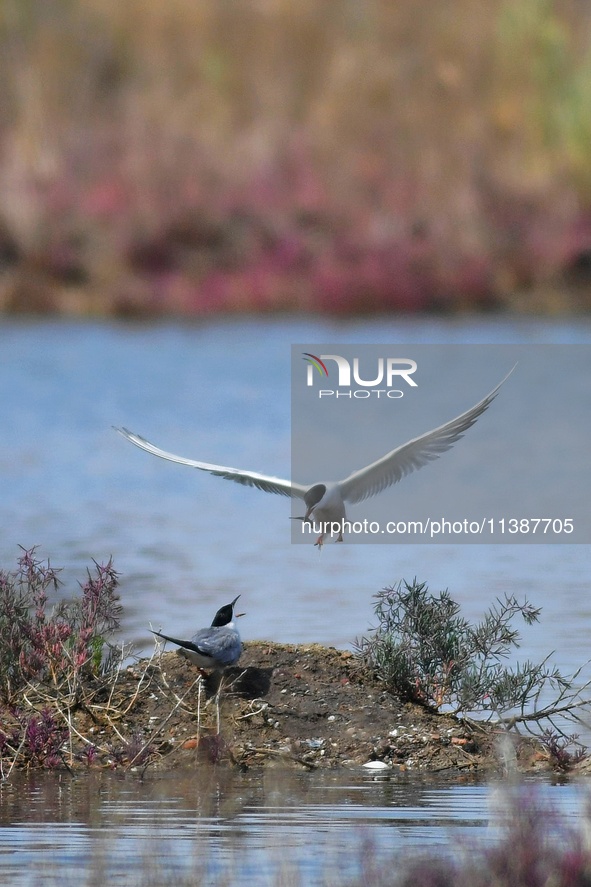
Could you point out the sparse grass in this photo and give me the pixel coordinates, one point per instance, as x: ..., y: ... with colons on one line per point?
x: 68, y: 701
x: 64, y: 698
x: 197, y: 156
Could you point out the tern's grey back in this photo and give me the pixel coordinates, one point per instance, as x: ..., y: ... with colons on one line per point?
x: 223, y: 644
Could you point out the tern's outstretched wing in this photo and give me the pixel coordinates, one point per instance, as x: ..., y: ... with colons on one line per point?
x: 412, y: 455
x: 246, y: 478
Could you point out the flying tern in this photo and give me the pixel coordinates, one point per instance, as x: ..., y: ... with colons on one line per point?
x: 325, y: 501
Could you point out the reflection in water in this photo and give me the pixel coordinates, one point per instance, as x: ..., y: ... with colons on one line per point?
x: 182, y: 540
x: 181, y: 543
x: 220, y: 823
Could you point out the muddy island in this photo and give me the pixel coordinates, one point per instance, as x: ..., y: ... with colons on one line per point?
x: 297, y: 706
x: 70, y: 699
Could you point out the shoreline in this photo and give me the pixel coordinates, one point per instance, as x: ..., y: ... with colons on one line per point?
x: 309, y: 707
x: 293, y: 706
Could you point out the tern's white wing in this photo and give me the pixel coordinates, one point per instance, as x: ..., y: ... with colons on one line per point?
x: 246, y: 478
x: 412, y: 455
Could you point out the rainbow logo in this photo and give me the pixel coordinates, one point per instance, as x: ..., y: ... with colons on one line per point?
x: 315, y: 362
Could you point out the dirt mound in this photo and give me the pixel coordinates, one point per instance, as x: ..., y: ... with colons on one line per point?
x: 304, y: 706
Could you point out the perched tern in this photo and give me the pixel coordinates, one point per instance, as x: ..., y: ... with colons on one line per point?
x: 215, y: 647
x: 325, y: 502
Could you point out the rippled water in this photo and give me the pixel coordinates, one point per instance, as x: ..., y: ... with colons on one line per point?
x: 239, y: 828
x: 185, y: 542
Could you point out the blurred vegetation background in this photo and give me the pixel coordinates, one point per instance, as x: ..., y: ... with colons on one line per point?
x: 202, y: 156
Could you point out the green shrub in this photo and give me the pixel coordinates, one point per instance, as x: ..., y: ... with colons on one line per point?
x: 424, y: 650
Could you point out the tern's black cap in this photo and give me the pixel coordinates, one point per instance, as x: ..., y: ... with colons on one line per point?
x: 224, y: 614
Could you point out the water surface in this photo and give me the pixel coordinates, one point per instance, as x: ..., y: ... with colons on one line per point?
x: 236, y: 829
x: 185, y: 542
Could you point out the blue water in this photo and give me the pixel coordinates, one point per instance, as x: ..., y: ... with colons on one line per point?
x: 185, y: 542
x: 236, y: 829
